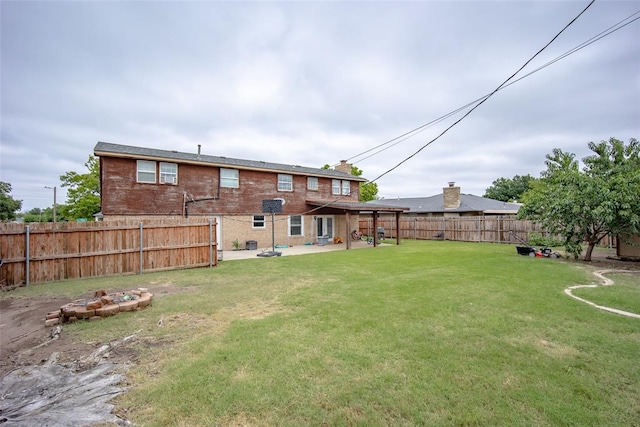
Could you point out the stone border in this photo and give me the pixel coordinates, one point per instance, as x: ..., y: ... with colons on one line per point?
x: 605, y: 282
x: 102, y: 305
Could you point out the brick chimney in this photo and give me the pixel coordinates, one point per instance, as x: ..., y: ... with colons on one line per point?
x: 451, y: 196
x: 343, y: 167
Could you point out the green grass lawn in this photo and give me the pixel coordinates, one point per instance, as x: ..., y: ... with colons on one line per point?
x: 624, y: 295
x: 425, y: 333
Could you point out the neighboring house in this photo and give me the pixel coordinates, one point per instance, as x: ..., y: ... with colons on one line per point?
x: 145, y: 182
x: 451, y: 203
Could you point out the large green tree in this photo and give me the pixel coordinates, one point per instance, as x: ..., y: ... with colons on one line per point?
x: 8, y: 205
x: 83, y: 195
x: 509, y: 189
x: 584, y: 205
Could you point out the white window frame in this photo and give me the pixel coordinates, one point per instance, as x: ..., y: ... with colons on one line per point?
x: 229, y: 178
x: 168, y: 173
x: 146, y: 168
x: 336, y: 187
x: 256, y: 221
x: 325, y: 225
x: 346, y: 188
x: 312, y: 183
x: 291, y: 224
x: 285, y: 182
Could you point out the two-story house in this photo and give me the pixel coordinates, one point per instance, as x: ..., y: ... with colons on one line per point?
x: 146, y: 182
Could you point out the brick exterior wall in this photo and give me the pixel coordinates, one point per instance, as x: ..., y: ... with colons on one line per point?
x: 197, y: 195
x: 240, y: 228
x: 122, y: 195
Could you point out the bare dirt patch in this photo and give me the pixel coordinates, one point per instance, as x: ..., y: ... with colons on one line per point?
x: 25, y: 341
x: 47, y: 378
x: 604, y: 261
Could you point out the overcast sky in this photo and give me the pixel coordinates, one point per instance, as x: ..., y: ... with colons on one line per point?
x: 312, y: 83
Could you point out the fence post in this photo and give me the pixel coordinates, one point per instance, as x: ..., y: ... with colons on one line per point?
x: 210, y: 243
x: 26, y: 256
x: 141, y: 249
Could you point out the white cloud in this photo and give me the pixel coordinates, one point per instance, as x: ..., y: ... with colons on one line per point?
x: 311, y: 83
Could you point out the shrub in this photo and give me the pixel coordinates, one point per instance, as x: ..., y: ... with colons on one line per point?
x: 537, y: 239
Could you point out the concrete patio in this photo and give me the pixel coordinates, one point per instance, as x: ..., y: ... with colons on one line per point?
x: 301, y: 249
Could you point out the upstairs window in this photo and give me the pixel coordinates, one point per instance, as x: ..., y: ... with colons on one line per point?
x: 346, y: 188
x: 229, y: 178
x: 285, y: 182
x: 146, y: 171
x: 335, y: 186
x: 168, y: 173
x: 312, y: 183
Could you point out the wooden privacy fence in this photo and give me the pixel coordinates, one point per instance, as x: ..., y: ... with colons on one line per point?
x: 33, y: 253
x: 489, y: 229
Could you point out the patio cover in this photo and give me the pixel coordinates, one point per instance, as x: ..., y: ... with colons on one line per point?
x: 344, y: 207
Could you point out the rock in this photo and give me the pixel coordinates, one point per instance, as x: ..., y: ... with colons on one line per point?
x: 51, y: 322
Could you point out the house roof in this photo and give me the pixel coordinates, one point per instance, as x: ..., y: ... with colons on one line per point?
x: 468, y: 203
x: 107, y: 149
x: 355, y: 206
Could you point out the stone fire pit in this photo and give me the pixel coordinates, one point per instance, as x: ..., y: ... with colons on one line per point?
x: 101, y: 305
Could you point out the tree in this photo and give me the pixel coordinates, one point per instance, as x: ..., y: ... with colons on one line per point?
x: 619, y: 167
x: 368, y: 190
x: 38, y: 215
x: 586, y: 205
x: 83, y: 196
x: 8, y: 205
x: 509, y: 190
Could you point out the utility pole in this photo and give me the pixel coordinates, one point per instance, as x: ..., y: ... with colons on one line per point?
x: 55, y: 204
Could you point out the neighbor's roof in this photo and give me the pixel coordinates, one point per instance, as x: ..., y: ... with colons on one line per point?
x: 468, y: 203
x: 106, y: 149
x: 355, y: 206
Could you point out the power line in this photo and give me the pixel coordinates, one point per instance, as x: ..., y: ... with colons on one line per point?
x: 487, y: 97
x: 612, y: 29
x: 479, y: 101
